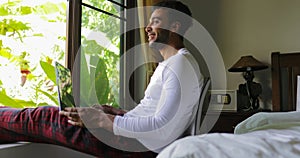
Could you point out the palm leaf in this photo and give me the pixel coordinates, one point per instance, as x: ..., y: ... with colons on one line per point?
x: 101, y: 82
x: 50, y: 96
x: 84, y: 81
x: 49, y: 71
x: 8, y: 101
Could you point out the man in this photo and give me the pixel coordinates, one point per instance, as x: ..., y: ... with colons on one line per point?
x: 161, y: 117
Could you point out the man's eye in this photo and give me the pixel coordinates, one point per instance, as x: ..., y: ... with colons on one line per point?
x: 155, y: 22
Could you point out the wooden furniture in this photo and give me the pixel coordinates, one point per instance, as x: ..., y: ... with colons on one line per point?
x: 226, y: 121
x: 285, y: 68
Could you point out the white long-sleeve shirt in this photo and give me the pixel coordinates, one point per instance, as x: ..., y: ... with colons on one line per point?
x: 168, y: 105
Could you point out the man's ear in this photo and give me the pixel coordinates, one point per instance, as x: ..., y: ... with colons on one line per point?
x: 175, y: 26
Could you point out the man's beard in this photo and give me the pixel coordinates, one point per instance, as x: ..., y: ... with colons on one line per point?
x: 163, y: 37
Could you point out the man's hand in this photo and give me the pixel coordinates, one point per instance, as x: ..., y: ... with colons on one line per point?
x: 110, y: 110
x: 89, y: 118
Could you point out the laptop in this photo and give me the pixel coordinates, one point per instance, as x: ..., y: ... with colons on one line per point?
x: 64, y: 86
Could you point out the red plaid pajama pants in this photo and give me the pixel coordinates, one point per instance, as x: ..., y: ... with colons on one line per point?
x: 45, y: 125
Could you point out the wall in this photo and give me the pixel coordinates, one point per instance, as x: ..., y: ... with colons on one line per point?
x: 250, y: 27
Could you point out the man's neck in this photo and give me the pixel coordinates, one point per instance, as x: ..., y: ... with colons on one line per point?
x: 168, y: 51
x: 171, y: 49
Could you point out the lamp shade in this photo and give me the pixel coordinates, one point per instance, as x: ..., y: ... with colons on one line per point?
x: 247, y: 63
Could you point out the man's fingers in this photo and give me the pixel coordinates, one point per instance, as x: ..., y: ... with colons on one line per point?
x: 73, y: 114
x: 73, y: 118
x: 64, y: 113
x: 90, y: 116
x: 74, y: 123
x: 69, y: 114
x: 70, y: 109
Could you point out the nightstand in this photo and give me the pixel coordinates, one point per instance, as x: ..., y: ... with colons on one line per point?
x: 224, y: 122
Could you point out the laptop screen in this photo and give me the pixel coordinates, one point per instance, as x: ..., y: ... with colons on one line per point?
x: 64, y: 86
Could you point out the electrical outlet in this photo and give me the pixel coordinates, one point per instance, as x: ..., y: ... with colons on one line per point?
x: 223, y: 100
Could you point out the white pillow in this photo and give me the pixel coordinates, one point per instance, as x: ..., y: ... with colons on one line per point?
x: 267, y: 120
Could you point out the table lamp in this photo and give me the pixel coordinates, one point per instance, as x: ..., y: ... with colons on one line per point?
x: 248, y: 92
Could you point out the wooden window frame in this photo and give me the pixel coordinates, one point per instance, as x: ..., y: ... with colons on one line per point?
x: 73, y: 42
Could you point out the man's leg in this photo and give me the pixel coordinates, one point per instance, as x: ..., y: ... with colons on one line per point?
x: 45, y: 125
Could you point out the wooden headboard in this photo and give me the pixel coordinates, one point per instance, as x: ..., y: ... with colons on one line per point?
x: 285, y: 68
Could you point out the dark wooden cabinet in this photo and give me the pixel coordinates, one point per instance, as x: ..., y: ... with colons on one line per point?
x: 223, y: 122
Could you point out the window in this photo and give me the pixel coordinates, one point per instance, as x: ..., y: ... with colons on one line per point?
x: 92, y: 27
x: 32, y: 35
x: 95, y: 28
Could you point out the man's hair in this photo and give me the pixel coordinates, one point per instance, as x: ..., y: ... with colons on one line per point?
x: 175, y: 7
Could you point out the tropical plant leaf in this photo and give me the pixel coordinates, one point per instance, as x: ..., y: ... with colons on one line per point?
x: 3, y: 11
x: 14, y: 25
x: 8, y: 101
x: 43, y: 104
x: 2, y: 90
x: 85, y: 83
x: 25, y: 10
x: 52, y: 97
x: 92, y: 48
x: 5, y: 52
x: 49, y: 71
x: 24, y: 103
x: 101, y: 82
x: 46, y: 8
x: 38, y: 35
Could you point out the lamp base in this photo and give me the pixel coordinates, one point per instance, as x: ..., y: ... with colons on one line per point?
x: 247, y: 95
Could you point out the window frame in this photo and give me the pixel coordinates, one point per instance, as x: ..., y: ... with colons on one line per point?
x: 73, y: 42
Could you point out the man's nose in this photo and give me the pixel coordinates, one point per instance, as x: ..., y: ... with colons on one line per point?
x: 148, y: 29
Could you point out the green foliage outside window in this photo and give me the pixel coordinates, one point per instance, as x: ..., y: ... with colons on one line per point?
x: 36, y: 77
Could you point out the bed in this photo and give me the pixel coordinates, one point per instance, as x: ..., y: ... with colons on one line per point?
x: 264, y: 134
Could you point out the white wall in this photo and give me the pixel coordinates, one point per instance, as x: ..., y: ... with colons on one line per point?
x: 250, y: 27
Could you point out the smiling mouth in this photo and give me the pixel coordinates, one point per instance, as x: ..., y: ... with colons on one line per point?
x: 151, y: 36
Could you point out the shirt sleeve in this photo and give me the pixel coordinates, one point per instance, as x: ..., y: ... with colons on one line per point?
x: 137, y: 127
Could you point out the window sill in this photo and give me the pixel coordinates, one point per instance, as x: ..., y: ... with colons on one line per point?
x: 38, y: 150
x: 11, y: 145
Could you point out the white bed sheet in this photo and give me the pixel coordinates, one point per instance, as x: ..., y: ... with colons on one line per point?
x: 264, y: 135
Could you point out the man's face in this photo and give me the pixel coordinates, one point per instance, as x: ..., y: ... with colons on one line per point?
x: 157, y: 29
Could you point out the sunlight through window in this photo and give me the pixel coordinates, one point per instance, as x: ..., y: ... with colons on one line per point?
x: 32, y: 33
